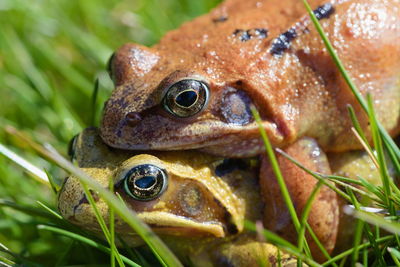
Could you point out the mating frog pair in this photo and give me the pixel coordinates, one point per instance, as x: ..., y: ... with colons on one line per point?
x: 194, y: 89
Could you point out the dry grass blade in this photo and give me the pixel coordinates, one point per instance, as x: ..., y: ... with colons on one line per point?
x: 40, y: 175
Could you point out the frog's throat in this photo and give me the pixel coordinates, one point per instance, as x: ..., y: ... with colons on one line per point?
x: 163, y: 220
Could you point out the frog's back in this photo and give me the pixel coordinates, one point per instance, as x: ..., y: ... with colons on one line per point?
x: 266, y: 53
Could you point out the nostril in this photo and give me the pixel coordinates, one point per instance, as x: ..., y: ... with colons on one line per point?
x: 133, y: 118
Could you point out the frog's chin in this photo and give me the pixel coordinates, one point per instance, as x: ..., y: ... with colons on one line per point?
x: 171, y: 224
x: 218, y: 138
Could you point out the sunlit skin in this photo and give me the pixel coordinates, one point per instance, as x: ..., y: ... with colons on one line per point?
x: 203, y: 207
x: 265, y: 53
x: 194, y: 89
x: 200, y: 213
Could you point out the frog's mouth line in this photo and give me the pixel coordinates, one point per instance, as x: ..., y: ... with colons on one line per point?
x: 164, y: 221
x: 211, y: 137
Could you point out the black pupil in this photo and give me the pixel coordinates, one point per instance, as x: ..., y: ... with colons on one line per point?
x: 186, y: 98
x: 145, y: 182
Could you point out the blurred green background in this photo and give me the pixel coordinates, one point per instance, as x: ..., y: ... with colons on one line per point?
x: 51, y: 52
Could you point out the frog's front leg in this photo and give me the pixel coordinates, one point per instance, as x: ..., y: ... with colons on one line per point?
x: 324, y: 215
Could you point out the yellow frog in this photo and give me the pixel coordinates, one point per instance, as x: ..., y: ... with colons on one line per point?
x: 196, y: 202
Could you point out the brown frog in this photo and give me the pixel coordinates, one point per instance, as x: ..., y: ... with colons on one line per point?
x: 194, y: 89
x: 196, y: 202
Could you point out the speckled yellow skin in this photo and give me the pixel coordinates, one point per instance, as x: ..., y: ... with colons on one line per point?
x: 299, y: 93
x: 212, y: 233
x: 208, y: 228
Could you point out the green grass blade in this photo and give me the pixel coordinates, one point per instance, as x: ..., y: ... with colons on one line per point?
x: 22, y: 55
x: 279, y: 241
x: 114, y: 250
x: 69, y: 73
x: 33, y: 211
x: 350, y: 251
x: 102, y: 223
x: 53, y: 184
x: 49, y: 210
x: 161, y: 251
x: 392, y: 227
x: 387, y: 139
x: 277, y: 172
x: 316, y: 175
x: 356, y: 124
x: 395, y: 255
x: 84, y: 240
x: 6, y: 262
x: 304, y: 215
x: 318, y: 243
x: 94, y: 103
x: 358, y: 230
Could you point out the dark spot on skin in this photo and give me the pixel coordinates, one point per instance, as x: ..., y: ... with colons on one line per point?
x: 229, y: 165
x: 237, y: 31
x: 283, y: 42
x: 84, y: 199
x: 261, y: 32
x: 324, y: 11
x: 242, y: 34
x: 220, y: 19
x: 272, y: 259
x: 229, y: 227
x: 306, y: 30
x: 133, y: 118
x: 223, y: 261
x: 232, y: 229
x: 235, y: 107
x: 245, y: 35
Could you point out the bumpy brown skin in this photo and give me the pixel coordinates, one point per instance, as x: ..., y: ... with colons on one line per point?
x: 299, y: 93
x: 324, y: 214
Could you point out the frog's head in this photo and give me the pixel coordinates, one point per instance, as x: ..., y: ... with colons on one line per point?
x: 176, y: 193
x: 177, y: 96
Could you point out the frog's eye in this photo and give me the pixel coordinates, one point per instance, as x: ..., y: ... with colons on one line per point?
x: 186, y: 98
x: 145, y: 182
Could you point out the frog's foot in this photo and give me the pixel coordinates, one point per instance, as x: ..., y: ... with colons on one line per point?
x: 324, y: 215
x: 245, y: 250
